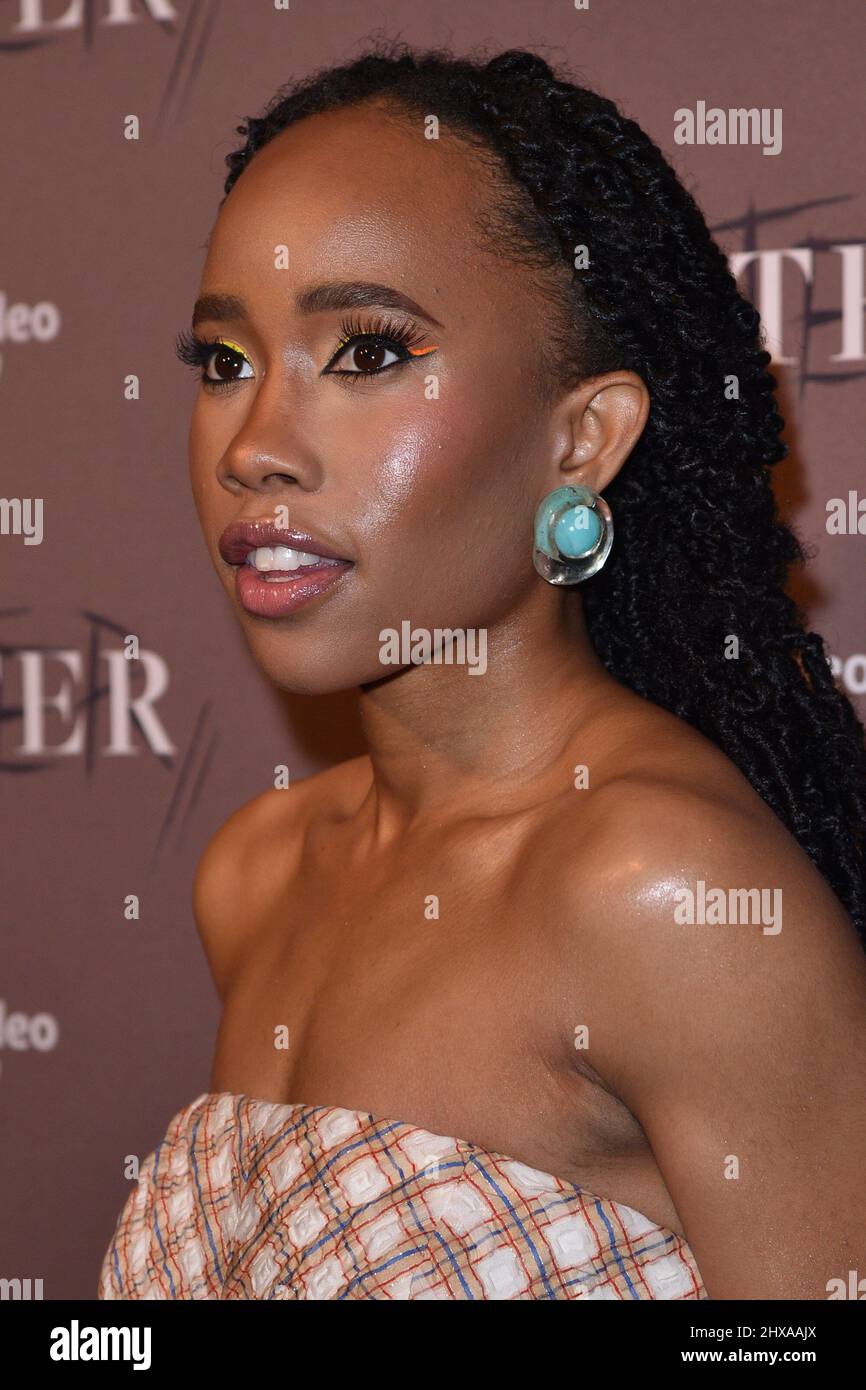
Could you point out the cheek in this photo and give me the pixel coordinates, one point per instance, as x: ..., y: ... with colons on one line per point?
x: 449, y: 500
x: 214, y: 505
x: 201, y: 471
x: 209, y: 432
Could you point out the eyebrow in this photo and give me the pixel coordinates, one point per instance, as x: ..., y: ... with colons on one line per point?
x: 316, y: 299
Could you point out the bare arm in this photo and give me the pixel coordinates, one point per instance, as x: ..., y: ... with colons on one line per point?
x: 742, y: 1052
x: 235, y: 882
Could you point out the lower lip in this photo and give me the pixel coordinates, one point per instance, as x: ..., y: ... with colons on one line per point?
x: 275, y: 598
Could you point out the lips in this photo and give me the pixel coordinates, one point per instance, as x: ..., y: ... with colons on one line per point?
x: 278, y: 569
x: 240, y: 537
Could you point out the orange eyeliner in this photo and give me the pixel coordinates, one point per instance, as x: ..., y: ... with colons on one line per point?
x: 422, y: 352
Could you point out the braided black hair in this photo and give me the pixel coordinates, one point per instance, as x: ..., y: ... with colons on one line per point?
x: 702, y: 555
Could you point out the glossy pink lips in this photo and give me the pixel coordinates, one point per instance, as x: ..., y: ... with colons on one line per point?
x: 276, y: 593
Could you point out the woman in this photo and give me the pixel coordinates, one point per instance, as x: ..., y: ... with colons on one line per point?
x: 590, y: 904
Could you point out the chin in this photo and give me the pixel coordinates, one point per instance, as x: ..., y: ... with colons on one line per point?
x: 300, y: 665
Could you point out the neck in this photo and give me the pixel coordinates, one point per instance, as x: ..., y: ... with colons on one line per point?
x: 444, y: 743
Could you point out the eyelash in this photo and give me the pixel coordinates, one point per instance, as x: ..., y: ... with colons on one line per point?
x: 389, y: 333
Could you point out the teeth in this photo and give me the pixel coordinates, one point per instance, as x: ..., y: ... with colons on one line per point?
x: 282, y: 557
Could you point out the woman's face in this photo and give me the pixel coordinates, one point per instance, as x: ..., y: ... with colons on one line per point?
x: 424, y: 476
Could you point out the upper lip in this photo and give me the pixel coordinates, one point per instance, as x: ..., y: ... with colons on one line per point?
x: 240, y: 537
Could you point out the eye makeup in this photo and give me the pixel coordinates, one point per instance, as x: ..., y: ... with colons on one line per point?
x: 403, y: 339
x: 198, y: 353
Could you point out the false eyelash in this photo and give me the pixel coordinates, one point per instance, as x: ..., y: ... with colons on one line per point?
x: 407, y: 335
x: 196, y: 352
x: 192, y: 350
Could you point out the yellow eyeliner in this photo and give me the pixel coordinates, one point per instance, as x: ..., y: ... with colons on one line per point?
x: 227, y: 342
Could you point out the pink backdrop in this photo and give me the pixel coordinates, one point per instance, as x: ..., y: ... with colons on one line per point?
x: 107, y: 1025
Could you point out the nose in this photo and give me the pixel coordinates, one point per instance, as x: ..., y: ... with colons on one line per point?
x: 269, y: 454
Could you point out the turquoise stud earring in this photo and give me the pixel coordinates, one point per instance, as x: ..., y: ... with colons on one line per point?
x: 573, y: 534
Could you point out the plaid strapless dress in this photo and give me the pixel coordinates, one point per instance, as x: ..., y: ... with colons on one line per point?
x: 247, y: 1198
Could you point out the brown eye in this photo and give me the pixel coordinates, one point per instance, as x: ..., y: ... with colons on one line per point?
x: 225, y: 365
x: 368, y: 357
x: 365, y: 358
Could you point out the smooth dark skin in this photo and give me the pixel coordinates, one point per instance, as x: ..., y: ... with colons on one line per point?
x: 556, y: 904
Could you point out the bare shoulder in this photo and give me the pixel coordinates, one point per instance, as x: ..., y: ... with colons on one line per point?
x: 688, y: 867
x: 727, y: 989
x: 249, y: 861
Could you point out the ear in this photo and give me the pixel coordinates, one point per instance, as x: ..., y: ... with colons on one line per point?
x: 599, y: 423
